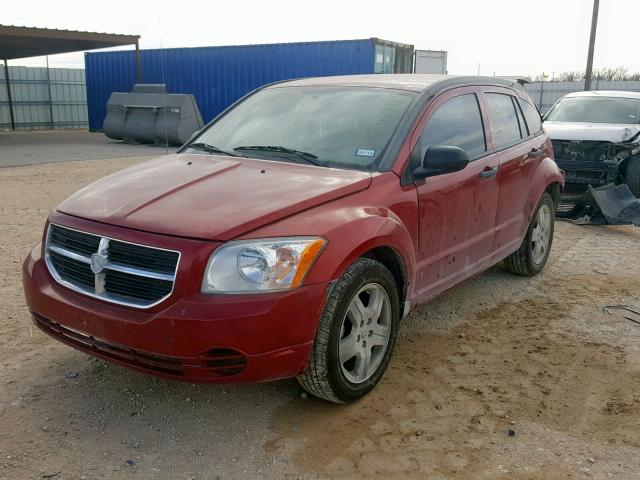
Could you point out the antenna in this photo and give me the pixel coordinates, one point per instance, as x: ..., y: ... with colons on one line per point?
x: 166, y: 116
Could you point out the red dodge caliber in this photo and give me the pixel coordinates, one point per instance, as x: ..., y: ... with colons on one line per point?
x: 290, y: 235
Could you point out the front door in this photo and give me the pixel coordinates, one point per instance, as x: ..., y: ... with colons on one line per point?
x: 457, y: 210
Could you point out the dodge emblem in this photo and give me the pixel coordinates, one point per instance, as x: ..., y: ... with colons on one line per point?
x: 98, y: 261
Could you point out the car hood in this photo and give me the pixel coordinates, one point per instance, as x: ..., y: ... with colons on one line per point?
x: 599, y: 132
x: 209, y: 197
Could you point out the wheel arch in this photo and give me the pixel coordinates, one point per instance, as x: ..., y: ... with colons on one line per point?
x: 388, y: 242
x: 555, y: 190
x: 392, y: 259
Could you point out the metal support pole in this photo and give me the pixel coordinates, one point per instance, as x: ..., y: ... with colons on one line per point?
x: 541, y: 92
x: 138, y: 63
x: 592, y: 42
x: 50, y: 99
x: 6, y: 79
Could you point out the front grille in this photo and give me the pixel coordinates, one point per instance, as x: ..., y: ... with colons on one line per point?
x: 74, y: 241
x: 110, y: 269
x: 143, y: 257
x: 145, y: 288
x: 75, y: 271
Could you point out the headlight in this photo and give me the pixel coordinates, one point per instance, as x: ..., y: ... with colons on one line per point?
x: 261, y: 265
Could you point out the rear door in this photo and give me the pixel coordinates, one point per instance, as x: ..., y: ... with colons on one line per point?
x: 520, y: 152
x: 457, y: 210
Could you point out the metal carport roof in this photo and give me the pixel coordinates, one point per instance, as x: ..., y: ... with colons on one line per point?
x: 24, y: 42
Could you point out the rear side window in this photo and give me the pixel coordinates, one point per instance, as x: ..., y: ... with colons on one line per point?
x: 457, y: 123
x: 532, y: 116
x: 523, y: 126
x: 504, y: 122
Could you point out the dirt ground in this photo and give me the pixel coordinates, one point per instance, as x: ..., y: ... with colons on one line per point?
x: 501, y: 377
x: 35, y: 147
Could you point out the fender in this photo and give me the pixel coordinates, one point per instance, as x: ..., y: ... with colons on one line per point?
x: 380, y: 228
x: 353, y: 231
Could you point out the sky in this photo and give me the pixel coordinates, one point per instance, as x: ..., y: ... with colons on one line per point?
x: 499, y: 37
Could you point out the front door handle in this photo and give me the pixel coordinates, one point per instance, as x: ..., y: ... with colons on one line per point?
x: 488, y: 172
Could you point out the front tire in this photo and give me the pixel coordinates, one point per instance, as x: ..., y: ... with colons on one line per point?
x: 356, y: 334
x: 632, y: 176
x: 531, y: 257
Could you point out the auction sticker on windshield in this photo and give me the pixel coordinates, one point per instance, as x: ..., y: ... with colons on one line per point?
x: 365, y: 152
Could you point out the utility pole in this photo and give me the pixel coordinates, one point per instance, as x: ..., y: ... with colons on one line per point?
x: 592, y: 42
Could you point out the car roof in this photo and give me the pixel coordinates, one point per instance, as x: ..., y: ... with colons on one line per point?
x: 401, y: 81
x: 605, y: 93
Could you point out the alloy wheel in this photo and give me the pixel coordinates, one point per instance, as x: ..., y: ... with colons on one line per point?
x: 365, y: 333
x: 541, y: 235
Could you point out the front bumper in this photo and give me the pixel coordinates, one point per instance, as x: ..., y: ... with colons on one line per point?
x: 197, y: 338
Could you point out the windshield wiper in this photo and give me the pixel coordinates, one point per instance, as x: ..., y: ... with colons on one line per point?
x: 305, y: 156
x: 211, y: 149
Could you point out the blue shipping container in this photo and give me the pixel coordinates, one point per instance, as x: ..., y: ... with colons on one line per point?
x: 218, y: 76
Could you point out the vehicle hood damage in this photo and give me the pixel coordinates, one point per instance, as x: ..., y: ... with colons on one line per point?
x: 595, y: 132
x: 209, y: 197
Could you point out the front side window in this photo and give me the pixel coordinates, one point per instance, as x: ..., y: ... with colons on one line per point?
x: 344, y: 127
x: 504, y: 122
x: 596, y: 110
x: 457, y: 123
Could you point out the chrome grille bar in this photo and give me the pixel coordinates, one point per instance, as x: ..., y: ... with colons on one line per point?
x: 131, y: 285
x: 69, y: 253
x: 141, y: 272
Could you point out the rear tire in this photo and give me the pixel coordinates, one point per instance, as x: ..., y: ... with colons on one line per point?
x: 531, y: 257
x: 353, y: 343
x: 632, y: 177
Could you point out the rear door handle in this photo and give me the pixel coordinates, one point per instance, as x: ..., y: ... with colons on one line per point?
x: 488, y: 172
x: 535, y: 153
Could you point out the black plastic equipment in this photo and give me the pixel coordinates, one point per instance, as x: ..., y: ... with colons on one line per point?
x: 618, y: 205
x: 150, y: 115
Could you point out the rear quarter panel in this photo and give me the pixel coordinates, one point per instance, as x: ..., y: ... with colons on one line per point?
x: 545, y: 175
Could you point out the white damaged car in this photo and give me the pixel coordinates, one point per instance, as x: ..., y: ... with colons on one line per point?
x: 596, y: 138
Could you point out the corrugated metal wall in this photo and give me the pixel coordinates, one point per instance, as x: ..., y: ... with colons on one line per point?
x: 218, y: 76
x: 41, y: 99
x: 545, y: 94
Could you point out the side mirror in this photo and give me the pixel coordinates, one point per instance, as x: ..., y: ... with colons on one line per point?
x: 440, y: 160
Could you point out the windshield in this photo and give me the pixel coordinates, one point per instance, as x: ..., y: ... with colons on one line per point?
x: 328, y: 126
x: 596, y: 110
